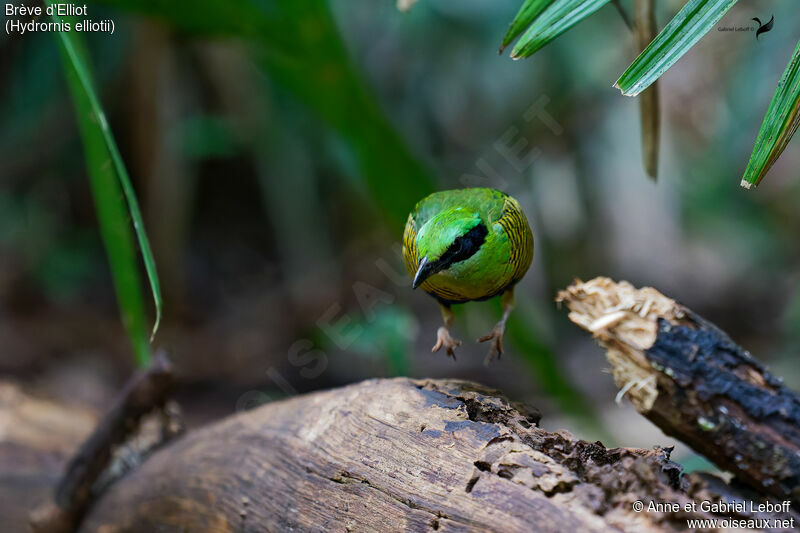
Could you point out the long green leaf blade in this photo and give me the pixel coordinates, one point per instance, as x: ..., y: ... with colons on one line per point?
x: 110, y: 183
x: 526, y: 14
x: 693, y: 21
x: 780, y: 123
x: 559, y: 16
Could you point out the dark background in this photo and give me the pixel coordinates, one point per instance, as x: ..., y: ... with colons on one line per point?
x: 277, y: 149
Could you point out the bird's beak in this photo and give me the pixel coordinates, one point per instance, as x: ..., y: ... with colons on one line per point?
x: 424, y: 271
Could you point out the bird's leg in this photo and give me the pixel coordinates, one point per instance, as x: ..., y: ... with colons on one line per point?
x: 443, y: 337
x: 496, y: 335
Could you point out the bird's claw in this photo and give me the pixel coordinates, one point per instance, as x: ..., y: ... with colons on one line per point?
x: 443, y: 339
x: 496, y: 347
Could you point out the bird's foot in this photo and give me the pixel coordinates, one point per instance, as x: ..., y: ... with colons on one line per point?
x: 496, y: 347
x: 443, y: 339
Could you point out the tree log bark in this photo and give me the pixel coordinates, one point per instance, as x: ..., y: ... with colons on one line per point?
x: 691, y: 380
x: 37, y: 438
x: 391, y: 455
x: 146, y: 391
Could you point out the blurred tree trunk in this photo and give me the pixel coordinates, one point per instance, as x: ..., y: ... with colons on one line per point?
x: 157, y: 108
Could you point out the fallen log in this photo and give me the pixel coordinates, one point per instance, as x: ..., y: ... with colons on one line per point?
x: 37, y: 438
x: 147, y: 391
x: 392, y: 455
x: 696, y: 384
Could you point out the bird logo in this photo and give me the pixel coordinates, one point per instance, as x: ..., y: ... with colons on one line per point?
x: 763, y: 28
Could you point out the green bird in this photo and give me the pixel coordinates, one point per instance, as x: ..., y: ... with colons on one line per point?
x: 465, y: 245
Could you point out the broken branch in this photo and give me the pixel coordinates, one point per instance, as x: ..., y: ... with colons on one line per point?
x: 146, y: 391
x: 692, y: 381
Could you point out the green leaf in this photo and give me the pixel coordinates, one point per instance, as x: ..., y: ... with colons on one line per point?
x: 526, y: 14
x: 693, y: 21
x: 780, y: 123
x: 110, y: 185
x: 559, y: 16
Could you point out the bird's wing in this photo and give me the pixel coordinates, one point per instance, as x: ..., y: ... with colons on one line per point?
x: 518, y: 231
x: 410, y: 256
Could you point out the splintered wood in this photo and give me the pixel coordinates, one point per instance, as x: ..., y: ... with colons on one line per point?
x: 624, y: 320
x: 694, y: 382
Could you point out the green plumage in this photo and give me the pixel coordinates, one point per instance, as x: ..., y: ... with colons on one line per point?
x: 487, y: 264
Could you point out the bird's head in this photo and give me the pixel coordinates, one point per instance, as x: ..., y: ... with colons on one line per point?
x: 452, y: 236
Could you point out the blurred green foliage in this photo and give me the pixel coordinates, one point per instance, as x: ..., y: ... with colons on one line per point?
x: 389, y: 336
x: 207, y: 136
x: 299, y: 46
x: 61, y: 261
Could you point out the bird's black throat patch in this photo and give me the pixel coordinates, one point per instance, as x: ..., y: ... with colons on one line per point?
x: 462, y: 248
